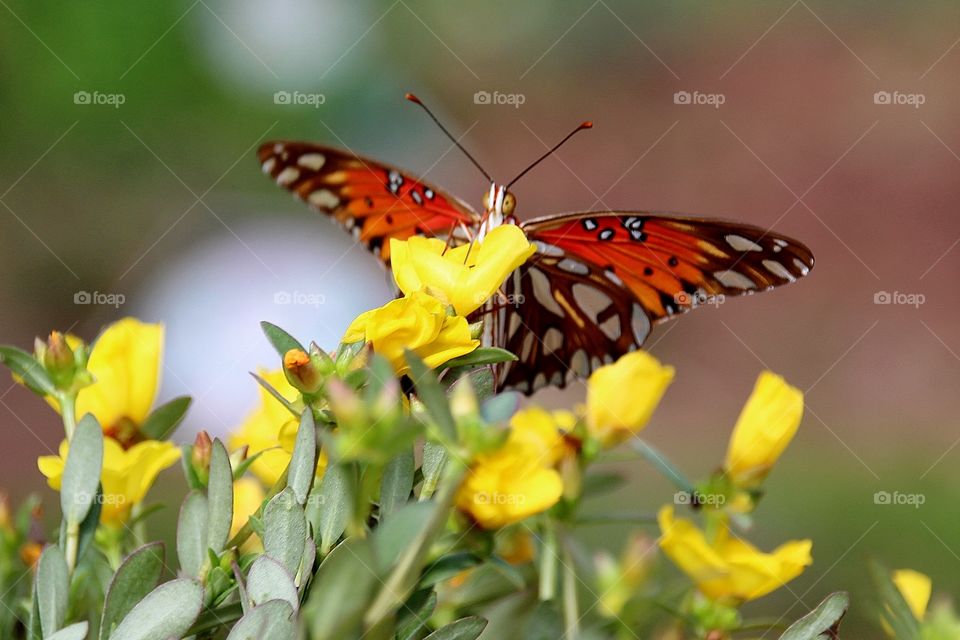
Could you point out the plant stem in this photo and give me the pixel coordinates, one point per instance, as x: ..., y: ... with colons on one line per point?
x: 71, y: 547
x: 247, y: 530
x: 403, y: 579
x: 571, y: 609
x: 68, y: 411
x: 548, y: 562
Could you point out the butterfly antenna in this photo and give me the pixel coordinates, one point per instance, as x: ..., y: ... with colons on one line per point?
x: 580, y: 127
x: 415, y: 99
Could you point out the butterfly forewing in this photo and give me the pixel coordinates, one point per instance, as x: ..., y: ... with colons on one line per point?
x: 375, y: 201
x: 600, y: 280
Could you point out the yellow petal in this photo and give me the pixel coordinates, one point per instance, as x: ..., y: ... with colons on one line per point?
x: 766, y: 426
x: 614, y: 415
x: 125, y: 362
x: 915, y: 588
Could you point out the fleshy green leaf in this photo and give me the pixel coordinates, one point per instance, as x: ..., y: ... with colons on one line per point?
x: 164, y: 420
x: 53, y: 589
x: 432, y: 395
x: 821, y: 621
x: 434, y: 460
x: 76, y: 631
x: 394, y: 535
x: 303, y: 462
x: 463, y: 629
x: 413, y: 617
x: 280, y: 339
x: 81, y: 473
x: 895, y: 611
x: 192, y: 533
x: 270, y: 621
x: 23, y: 365
x: 336, y: 500
x: 285, y: 530
x: 397, y: 483
x: 219, y: 498
x: 347, y: 572
x: 481, y: 356
x: 501, y: 407
x: 277, y: 395
x: 447, y: 567
x: 137, y: 575
x: 166, y: 612
x: 269, y: 580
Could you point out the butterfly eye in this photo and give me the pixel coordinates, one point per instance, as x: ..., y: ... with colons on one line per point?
x: 487, y: 205
x: 509, y: 204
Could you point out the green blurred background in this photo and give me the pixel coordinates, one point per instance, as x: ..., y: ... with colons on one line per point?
x: 160, y: 199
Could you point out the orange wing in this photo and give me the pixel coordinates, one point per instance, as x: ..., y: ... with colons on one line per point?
x: 374, y: 201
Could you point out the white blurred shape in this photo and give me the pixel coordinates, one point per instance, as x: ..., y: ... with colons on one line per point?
x: 312, y: 281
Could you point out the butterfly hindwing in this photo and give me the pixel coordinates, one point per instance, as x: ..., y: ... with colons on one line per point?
x: 373, y: 200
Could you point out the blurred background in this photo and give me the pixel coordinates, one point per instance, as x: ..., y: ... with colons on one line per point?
x: 129, y: 186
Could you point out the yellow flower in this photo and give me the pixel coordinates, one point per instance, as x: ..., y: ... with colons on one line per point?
x: 728, y: 569
x: 248, y: 495
x: 462, y: 280
x: 766, y: 426
x: 915, y: 588
x: 126, y: 477
x: 260, y: 430
x: 125, y: 362
x: 541, y: 430
x: 517, y: 480
x: 622, y: 396
x: 418, y: 322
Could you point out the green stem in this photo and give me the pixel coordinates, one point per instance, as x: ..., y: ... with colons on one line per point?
x: 68, y: 411
x: 247, y: 530
x: 71, y: 547
x: 571, y: 609
x: 548, y: 563
x: 403, y: 579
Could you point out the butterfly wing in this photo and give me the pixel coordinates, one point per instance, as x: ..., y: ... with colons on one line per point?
x: 375, y: 201
x: 599, y: 282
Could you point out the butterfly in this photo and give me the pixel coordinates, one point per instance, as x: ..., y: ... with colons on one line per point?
x: 596, y: 285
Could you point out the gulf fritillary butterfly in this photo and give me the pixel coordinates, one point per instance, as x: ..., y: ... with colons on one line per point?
x: 598, y: 281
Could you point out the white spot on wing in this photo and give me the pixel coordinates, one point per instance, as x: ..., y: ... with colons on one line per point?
x: 739, y: 243
x: 572, y: 266
x: 323, y: 198
x: 778, y: 269
x: 734, y: 279
x: 543, y: 292
x: 312, y: 161
x: 640, y: 323
x: 548, y: 249
x: 288, y: 176
x: 804, y: 269
x: 268, y: 165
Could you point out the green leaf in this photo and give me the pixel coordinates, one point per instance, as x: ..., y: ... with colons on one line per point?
x: 166, y: 612
x: 481, y: 356
x: 895, y: 610
x: 276, y: 394
x: 663, y: 465
x: 76, y: 631
x: 219, y: 498
x: 136, y: 576
x: 347, y: 572
x: 53, y: 589
x: 393, y: 536
x: 501, y: 407
x: 269, y: 580
x: 24, y: 366
x: 463, y: 629
x: 823, y: 621
x: 598, y: 483
x: 270, y: 621
x: 88, y: 527
x: 81, y: 473
x: 447, y: 567
x: 432, y: 395
x: 303, y: 462
x: 336, y: 500
x: 397, y: 483
x: 280, y: 339
x: 508, y: 571
x: 164, y: 420
x: 413, y: 617
x: 285, y: 530
x: 434, y: 460
x: 192, y: 533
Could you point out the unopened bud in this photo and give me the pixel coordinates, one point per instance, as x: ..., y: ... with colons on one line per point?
x: 303, y: 370
x: 200, y: 456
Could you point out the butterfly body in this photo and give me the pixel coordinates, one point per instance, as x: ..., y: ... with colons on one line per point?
x: 598, y: 282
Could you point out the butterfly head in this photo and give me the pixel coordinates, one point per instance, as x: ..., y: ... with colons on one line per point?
x: 498, y: 207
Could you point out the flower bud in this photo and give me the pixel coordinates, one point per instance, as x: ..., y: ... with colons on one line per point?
x: 200, y: 456
x: 304, y: 371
